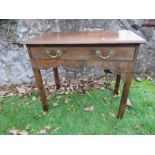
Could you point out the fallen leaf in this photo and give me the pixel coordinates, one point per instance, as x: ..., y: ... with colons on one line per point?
x: 96, y: 86
x: 55, y: 104
x: 89, y: 109
x: 35, y: 89
x: 37, y: 116
x: 128, y: 103
x: 34, y: 98
x: 27, y: 103
x: 45, y: 130
x: 18, y: 132
x: 81, y: 85
x: 112, y: 114
x: 57, y: 128
x: 87, y: 93
x: 66, y: 101
x: 21, y: 90
x: 117, y: 96
x: 45, y: 113
x: 28, y: 127
x: 102, y: 88
x: 137, y: 126
x: 138, y: 79
x: 10, y: 94
x: 59, y: 97
x: 49, y: 96
x: 3, y: 93
x: 149, y: 78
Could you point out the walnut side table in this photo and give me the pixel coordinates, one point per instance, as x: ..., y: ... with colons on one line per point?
x: 116, y: 51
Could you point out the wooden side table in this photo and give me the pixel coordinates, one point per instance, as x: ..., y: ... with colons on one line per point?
x: 116, y: 51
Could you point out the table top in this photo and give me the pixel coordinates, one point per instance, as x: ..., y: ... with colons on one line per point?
x: 106, y: 37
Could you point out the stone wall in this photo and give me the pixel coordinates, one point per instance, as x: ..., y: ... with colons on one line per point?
x: 15, y: 66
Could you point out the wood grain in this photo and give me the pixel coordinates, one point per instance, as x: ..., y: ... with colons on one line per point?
x: 125, y: 95
x: 115, y: 37
x: 118, y: 79
x: 56, y: 77
x: 41, y: 88
x: 85, y: 53
x: 115, y: 67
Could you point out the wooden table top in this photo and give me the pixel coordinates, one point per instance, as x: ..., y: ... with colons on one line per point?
x: 106, y: 37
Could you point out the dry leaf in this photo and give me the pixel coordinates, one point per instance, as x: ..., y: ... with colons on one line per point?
x: 45, y: 130
x: 49, y: 96
x: 67, y: 86
x: 117, y: 96
x: 66, y: 101
x: 21, y: 90
x: 35, y: 89
x: 96, y: 86
x: 3, y: 93
x: 149, y: 78
x: 89, y: 109
x: 10, y: 94
x: 59, y: 97
x: 55, y: 104
x: 102, y: 88
x: 45, y: 113
x: 128, y: 103
x: 138, y: 79
x: 57, y: 128
x: 18, y: 132
x: 112, y: 114
x: 34, y: 98
x: 27, y: 103
x: 137, y: 126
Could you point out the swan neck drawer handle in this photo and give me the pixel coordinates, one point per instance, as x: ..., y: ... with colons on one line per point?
x: 99, y: 54
x: 57, y: 53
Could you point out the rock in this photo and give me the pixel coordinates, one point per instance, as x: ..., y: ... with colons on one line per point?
x: 136, y: 22
x: 148, y: 32
x: 151, y: 45
x: 97, y: 23
x: 14, y: 61
x: 69, y: 25
x: 22, y: 26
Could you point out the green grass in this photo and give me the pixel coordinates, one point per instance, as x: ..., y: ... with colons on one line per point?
x: 25, y: 114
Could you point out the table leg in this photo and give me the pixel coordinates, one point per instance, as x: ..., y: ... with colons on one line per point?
x: 125, y: 95
x: 118, y: 79
x: 41, y: 88
x: 56, y: 77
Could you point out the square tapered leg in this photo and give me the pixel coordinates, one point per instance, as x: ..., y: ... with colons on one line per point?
x: 118, y: 79
x: 125, y: 93
x: 41, y: 88
x: 56, y: 77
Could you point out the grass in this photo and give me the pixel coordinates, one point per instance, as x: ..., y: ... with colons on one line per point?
x: 71, y: 119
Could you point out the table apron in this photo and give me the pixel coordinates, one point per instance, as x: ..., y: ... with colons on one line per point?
x: 115, y: 66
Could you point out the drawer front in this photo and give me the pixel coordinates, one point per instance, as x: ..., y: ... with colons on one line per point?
x: 83, y: 53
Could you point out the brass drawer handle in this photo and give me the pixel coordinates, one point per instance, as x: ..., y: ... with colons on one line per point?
x: 99, y: 53
x: 57, y: 53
